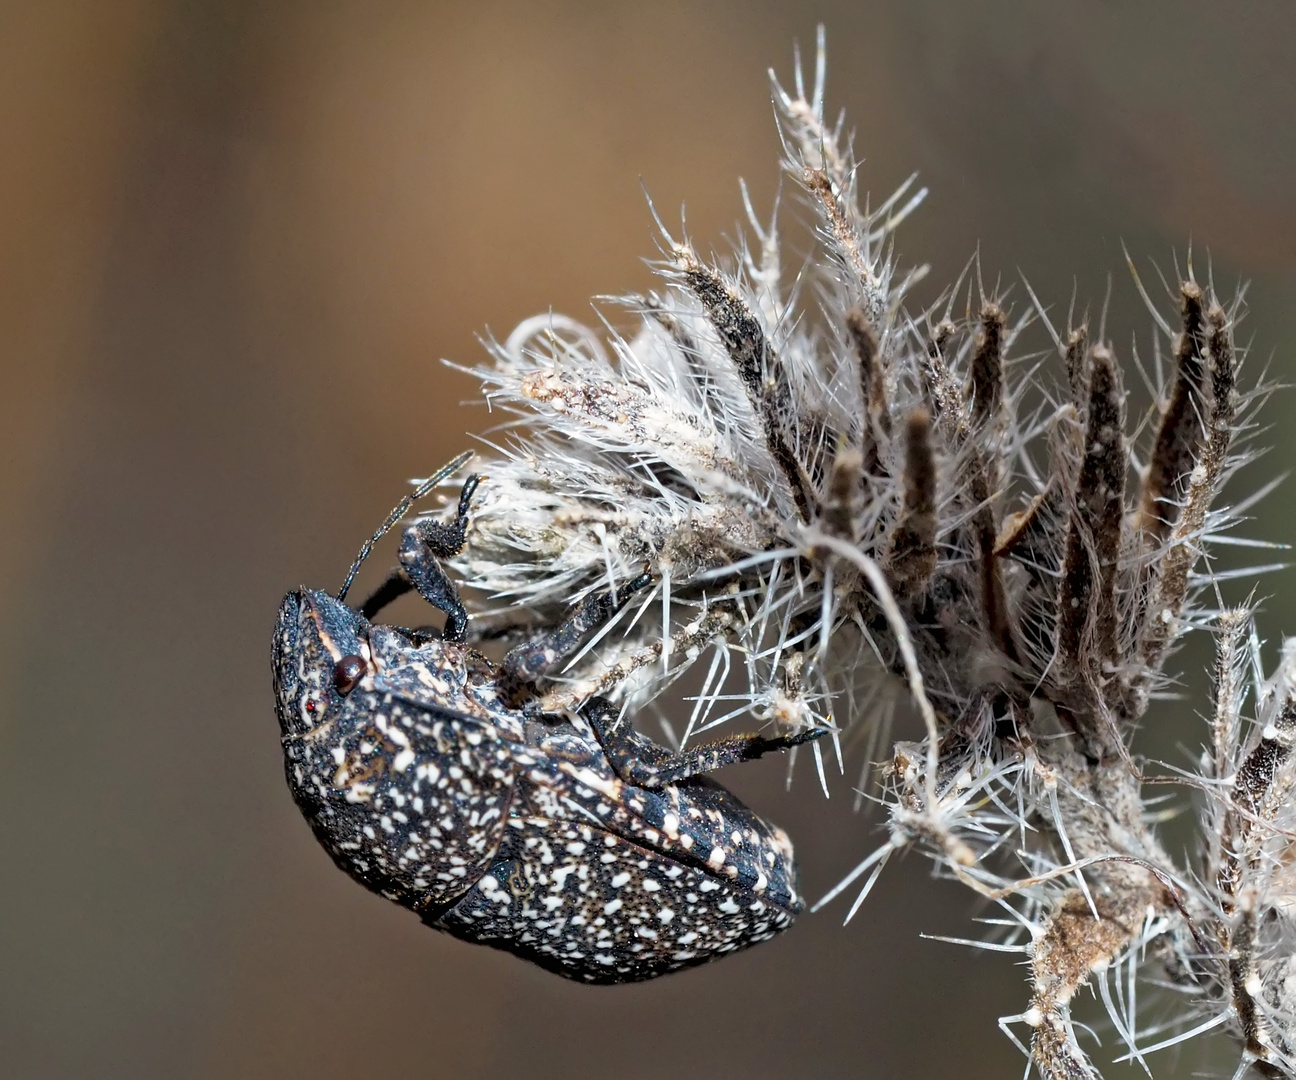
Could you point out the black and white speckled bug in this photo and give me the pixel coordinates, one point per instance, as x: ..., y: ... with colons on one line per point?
x: 568, y: 840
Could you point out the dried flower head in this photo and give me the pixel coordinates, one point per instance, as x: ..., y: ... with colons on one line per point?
x: 847, y: 506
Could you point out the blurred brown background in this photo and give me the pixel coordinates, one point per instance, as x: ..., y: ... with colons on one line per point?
x: 236, y: 239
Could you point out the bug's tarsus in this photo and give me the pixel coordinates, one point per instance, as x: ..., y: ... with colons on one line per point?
x: 427, y: 542
x: 640, y: 761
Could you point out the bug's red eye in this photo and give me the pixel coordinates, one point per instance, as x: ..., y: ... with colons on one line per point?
x: 349, y: 671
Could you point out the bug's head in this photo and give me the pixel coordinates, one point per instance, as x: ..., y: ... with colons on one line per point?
x: 320, y: 654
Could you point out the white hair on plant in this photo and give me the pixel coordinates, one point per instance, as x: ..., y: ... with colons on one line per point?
x: 844, y: 503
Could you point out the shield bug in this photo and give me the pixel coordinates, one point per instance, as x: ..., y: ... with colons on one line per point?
x: 433, y: 778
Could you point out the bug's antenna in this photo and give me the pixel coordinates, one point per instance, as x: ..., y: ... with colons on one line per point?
x: 401, y: 509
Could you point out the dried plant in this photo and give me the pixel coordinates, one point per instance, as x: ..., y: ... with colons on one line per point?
x: 849, y: 508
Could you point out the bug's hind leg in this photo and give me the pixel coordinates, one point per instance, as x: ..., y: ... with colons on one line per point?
x: 640, y: 761
x: 422, y: 545
x: 536, y: 658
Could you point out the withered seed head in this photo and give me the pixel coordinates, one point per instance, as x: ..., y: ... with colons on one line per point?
x: 987, y: 372
x: 1077, y: 352
x: 1180, y: 431
x: 912, y: 549
x: 845, y: 489
x: 1222, y: 368
x: 872, y: 381
x: 1086, y: 599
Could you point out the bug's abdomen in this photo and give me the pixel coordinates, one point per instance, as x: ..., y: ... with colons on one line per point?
x: 592, y: 906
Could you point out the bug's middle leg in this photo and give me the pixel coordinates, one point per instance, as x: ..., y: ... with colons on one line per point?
x: 536, y: 658
x: 640, y: 761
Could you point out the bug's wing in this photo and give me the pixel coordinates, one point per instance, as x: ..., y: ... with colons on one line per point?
x: 696, y: 822
x: 587, y: 903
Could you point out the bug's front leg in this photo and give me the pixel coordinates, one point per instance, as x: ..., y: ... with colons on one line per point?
x: 640, y: 761
x: 396, y: 586
x: 422, y: 545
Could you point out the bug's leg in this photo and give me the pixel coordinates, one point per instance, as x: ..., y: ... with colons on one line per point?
x: 421, y: 546
x: 640, y: 761
x: 396, y: 586
x: 534, y: 659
